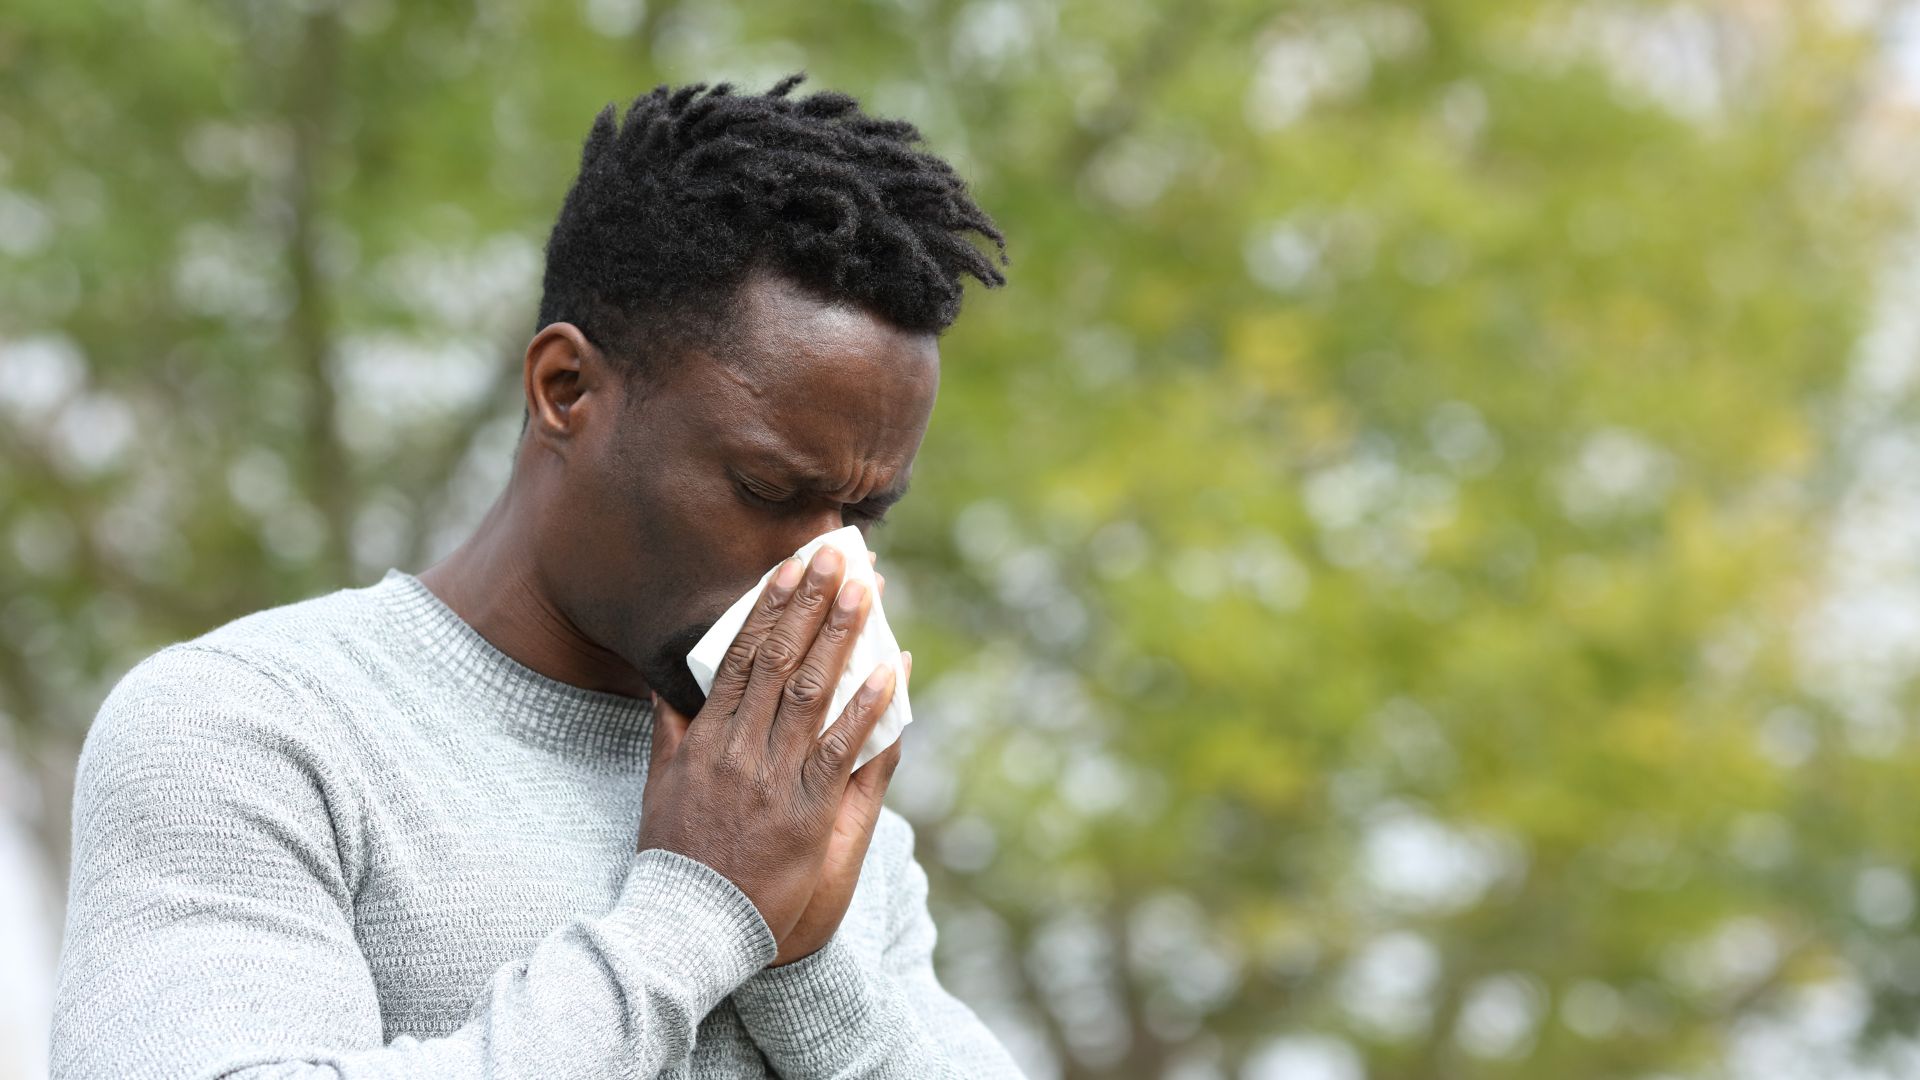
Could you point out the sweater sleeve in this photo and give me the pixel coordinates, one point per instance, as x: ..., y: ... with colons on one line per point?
x: 832, y: 1015
x: 210, y: 928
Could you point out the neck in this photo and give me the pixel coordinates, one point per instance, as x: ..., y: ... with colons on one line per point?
x: 493, y: 582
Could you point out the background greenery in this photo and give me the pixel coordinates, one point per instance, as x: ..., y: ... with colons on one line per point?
x: 1414, y: 577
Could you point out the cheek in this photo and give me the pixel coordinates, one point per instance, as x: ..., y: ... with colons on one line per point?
x: 691, y: 545
x: 701, y: 546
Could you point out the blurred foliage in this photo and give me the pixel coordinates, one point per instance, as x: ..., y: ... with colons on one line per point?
x: 1360, y: 566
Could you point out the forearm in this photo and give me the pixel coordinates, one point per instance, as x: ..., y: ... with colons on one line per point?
x: 621, y: 994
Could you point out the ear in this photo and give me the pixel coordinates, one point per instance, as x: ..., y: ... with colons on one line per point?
x: 563, y: 373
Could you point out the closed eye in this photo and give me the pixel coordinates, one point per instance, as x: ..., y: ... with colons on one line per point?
x: 851, y: 514
x: 874, y: 518
x: 758, y: 499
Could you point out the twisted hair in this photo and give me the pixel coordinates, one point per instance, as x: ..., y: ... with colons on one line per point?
x: 699, y: 186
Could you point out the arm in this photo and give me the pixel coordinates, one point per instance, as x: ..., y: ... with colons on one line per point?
x: 830, y: 1014
x: 210, y: 929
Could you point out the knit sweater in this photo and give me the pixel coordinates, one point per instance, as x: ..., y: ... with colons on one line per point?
x: 349, y: 837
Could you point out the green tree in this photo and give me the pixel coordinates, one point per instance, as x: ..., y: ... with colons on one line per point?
x: 1355, y: 565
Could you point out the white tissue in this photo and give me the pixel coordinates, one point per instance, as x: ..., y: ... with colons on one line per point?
x: 874, y: 646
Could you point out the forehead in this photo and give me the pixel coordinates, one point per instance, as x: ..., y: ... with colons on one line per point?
x: 814, y: 387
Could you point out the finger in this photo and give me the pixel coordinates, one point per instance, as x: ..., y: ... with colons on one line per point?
x: 808, y: 695
x: 669, y: 727
x: 860, y: 806
x: 873, y: 557
x: 868, y: 784
x: 730, y: 679
x: 906, y: 662
x: 782, y: 649
x: 826, y: 769
x: 879, y: 584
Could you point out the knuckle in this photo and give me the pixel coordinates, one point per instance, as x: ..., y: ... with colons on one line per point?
x: 810, y: 767
x: 811, y: 598
x: 778, y: 654
x: 733, y: 766
x: 817, y: 776
x: 806, y: 689
x: 740, y: 654
x: 747, y: 780
x: 765, y: 791
x: 768, y: 606
x: 855, y: 713
x: 837, y: 743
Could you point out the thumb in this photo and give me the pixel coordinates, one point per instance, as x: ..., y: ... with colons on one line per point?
x: 868, y: 784
x: 669, y: 727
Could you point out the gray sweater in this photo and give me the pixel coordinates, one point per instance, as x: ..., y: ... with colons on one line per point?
x: 349, y: 837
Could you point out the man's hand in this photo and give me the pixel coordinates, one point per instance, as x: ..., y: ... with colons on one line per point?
x: 751, y: 788
x: 846, y: 851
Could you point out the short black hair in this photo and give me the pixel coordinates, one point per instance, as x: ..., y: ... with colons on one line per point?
x: 698, y: 187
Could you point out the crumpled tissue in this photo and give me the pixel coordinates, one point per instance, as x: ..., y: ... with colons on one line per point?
x: 874, y: 646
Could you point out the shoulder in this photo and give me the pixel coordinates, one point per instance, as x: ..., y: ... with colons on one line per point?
x: 200, y: 747
x: 306, y: 642
x: 189, y: 713
x: 204, y: 758
x: 246, y: 685
x: 269, y: 658
x: 185, y: 689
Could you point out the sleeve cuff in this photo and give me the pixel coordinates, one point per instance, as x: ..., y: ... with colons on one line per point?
x: 684, y: 922
x: 820, y: 1008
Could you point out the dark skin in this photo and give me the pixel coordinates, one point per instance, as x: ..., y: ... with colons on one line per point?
x: 640, y: 509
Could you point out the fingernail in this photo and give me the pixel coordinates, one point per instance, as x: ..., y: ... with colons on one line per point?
x: 826, y: 562
x: 851, y: 595
x: 789, y: 573
x: 878, y: 681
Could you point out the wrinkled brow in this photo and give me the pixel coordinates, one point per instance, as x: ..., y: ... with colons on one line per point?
x: 789, y: 480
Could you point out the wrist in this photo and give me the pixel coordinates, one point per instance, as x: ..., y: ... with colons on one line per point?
x: 791, y: 954
x: 820, y: 1007
x: 681, y: 918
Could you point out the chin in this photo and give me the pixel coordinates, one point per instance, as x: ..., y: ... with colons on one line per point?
x: 667, y: 673
x: 686, y: 698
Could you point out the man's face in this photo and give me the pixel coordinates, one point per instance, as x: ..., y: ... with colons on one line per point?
x: 722, y: 468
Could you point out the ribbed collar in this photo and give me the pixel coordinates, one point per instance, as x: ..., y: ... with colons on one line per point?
x: 545, y: 712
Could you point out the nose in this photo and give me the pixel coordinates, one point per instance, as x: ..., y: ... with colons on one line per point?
x: 812, y: 525
x: 798, y: 531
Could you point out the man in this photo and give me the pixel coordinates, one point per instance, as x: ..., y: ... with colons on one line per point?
x: 461, y: 825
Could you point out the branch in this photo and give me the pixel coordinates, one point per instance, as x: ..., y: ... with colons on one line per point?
x: 311, y: 107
